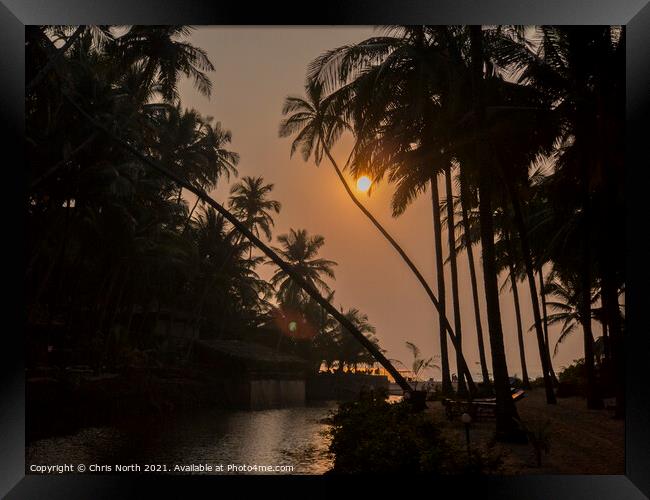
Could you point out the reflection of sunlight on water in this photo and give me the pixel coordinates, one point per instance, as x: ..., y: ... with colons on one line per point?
x: 288, y: 436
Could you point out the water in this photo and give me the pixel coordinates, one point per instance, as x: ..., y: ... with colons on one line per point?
x: 291, y: 437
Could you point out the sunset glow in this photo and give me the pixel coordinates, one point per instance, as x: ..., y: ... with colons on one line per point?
x: 364, y: 183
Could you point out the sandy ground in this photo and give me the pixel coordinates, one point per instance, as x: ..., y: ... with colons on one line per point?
x: 582, y: 441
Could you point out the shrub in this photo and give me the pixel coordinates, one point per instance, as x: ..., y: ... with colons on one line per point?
x: 572, y: 380
x: 373, y: 436
x: 537, y: 383
x: 539, y: 437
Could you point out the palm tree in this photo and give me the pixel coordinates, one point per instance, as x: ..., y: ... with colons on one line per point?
x: 300, y: 250
x: 515, y: 297
x: 419, y: 364
x: 148, y: 59
x: 542, y: 286
x: 440, y: 274
x: 164, y: 58
x: 506, y: 411
x: 468, y: 244
x: 566, y: 306
x: 451, y: 230
x: 249, y: 202
x: 349, y: 351
x: 194, y: 145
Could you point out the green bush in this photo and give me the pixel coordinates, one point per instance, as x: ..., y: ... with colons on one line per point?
x: 572, y: 380
x: 373, y: 436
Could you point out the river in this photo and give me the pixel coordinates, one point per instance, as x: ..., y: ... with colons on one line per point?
x: 284, y: 437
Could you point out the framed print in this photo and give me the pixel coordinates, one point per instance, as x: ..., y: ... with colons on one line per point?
x: 259, y: 245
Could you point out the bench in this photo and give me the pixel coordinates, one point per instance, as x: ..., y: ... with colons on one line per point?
x: 478, y: 409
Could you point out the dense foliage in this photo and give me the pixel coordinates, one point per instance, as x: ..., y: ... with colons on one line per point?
x: 114, y: 247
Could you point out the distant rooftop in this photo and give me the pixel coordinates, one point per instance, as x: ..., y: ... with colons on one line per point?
x: 248, y: 351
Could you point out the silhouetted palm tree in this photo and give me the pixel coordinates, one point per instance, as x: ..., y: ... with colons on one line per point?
x: 565, y: 306
x: 506, y: 411
x: 300, y: 250
x: 164, y: 57
x: 349, y: 351
x: 250, y: 203
x: 451, y: 231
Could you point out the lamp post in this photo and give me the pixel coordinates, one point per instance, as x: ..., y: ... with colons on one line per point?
x: 466, y: 418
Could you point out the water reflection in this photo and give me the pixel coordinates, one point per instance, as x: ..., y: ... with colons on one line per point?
x: 289, y: 436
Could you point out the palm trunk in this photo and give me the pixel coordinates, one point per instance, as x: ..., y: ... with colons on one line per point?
x: 528, y: 264
x: 586, y: 162
x: 554, y: 379
x: 451, y: 230
x: 464, y: 203
x: 520, y: 332
x: 273, y: 256
x: 506, y: 413
x: 440, y: 271
x: 189, y: 216
x: 614, y: 341
x: 593, y: 399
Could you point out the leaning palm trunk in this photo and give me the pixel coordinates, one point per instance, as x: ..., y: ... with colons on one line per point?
x: 462, y: 389
x: 438, y: 304
x: 440, y: 271
x: 464, y: 203
x: 287, y: 268
x: 506, y: 413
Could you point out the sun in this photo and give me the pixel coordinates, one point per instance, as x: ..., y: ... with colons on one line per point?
x: 364, y: 183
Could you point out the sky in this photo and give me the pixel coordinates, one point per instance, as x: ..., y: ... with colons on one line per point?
x: 255, y: 69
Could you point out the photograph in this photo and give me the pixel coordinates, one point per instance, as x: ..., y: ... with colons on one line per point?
x: 325, y: 250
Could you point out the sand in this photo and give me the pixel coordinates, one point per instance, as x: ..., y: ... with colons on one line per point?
x: 582, y: 441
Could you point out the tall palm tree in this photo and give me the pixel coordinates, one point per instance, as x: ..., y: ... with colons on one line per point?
x: 440, y: 275
x: 540, y: 274
x: 349, y: 351
x: 250, y: 203
x: 506, y: 411
x: 566, y: 306
x: 194, y: 145
x: 515, y: 297
x: 165, y: 56
x: 301, y: 251
x: 468, y: 243
x: 451, y: 231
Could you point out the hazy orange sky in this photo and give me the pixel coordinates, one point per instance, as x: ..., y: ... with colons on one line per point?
x: 255, y: 69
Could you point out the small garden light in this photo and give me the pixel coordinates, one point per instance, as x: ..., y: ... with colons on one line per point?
x: 466, y: 418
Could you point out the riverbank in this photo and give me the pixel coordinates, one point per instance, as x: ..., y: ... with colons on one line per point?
x: 581, y: 441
